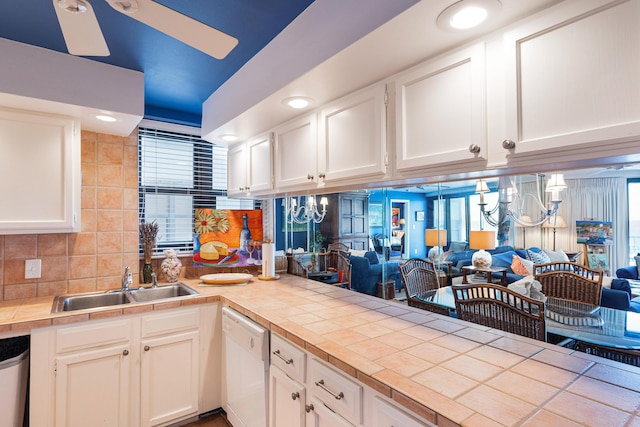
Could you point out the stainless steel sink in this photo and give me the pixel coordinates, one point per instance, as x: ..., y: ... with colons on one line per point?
x: 161, y: 292
x: 85, y: 301
x: 111, y: 298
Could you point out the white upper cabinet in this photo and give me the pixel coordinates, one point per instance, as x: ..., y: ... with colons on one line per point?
x: 250, y: 166
x: 352, y: 141
x: 572, y: 80
x: 296, y: 153
x: 40, y: 166
x: 440, y: 112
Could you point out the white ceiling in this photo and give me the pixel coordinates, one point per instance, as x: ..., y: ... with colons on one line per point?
x: 408, y: 39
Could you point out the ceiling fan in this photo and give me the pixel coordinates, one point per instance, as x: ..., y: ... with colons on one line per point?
x: 83, y: 36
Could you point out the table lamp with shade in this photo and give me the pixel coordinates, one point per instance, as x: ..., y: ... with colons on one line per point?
x: 482, y: 240
x: 555, y: 222
x: 435, y: 237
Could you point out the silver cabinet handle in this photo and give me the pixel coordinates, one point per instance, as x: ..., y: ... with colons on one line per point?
x: 308, y: 407
x: 295, y: 395
x: 287, y: 361
x: 125, y: 352
x: 147, y: 348
x: 322, y: 386
x: 474, y: 148
x: 508, y: 144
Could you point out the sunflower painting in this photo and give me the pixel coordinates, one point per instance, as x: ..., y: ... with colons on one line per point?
x: 227, y: 238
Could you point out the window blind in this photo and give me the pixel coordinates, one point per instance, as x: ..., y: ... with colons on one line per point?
x: 178, y: 173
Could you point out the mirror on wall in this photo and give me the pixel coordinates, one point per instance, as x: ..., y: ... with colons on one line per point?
x: 529, y: 210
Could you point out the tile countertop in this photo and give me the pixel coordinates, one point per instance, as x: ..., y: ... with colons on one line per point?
x: 449, y: 371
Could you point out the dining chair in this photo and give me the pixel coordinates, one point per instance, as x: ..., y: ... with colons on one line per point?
x: 569, y: 281
x: 501, y: 308
x: 296, y: 268
x: 337, y: 247
x: 420, y: 280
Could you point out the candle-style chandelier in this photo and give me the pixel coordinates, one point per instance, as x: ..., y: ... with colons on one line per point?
x: 303, y: 212
x: 511, y: 202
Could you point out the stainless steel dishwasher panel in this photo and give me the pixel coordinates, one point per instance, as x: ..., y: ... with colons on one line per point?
x: 246, y: 370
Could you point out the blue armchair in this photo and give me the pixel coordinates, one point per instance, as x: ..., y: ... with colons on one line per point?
x: 366, y: 272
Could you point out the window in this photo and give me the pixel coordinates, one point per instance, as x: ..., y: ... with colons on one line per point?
x: 633, y: 197
x: 178, y: 173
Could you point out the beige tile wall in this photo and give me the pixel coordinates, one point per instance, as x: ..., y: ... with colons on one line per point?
x: 94, y: 258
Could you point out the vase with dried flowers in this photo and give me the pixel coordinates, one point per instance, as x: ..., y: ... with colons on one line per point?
x: 148, y: 234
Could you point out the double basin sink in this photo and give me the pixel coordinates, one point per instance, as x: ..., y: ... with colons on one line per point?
x: 118, y: 297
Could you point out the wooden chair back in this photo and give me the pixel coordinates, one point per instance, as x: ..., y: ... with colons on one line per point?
x: 419, y: 279
x: 337, y: 247
x: 296, y: 268
x: 570, y: 281
x: 498, y: 307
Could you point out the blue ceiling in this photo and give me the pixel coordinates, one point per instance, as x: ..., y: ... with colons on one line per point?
x: 178, y: 78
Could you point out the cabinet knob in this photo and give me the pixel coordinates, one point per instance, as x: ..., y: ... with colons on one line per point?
x: 125, y: 352
x: 309, y: 176
x: 147, y: 348
x: 308, y: 407
x: 321, y: 175
x: 474, y: 148
x: 508, y: 144
x: 295, y: 395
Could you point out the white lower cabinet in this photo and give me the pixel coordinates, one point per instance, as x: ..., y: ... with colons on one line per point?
x: 287, y: 400
x: 320, y: 415
x: 141, y: 370
x: 384, y: 414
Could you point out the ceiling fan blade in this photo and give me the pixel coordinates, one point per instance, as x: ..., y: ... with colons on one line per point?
x: 80, y: 29
x: 206, y: 39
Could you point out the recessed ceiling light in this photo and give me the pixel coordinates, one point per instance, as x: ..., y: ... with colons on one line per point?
x: 105, y: 118
x: 229, y: 137
x: 297, y: 102
x: 467, y: 14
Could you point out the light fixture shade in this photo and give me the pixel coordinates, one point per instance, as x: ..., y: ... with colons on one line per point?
x: 481, y: 186
x: 556, y: 182
x: 435, y: 237
x: 482, y: 239
x: 555, y: 222
x: 402, y: 221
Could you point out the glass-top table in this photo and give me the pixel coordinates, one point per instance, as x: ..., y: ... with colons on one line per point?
x: 601, y: 326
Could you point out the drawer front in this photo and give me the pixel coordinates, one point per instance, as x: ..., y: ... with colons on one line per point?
x: 93, y: 334
x: 288, y: 357
x: 169, y: 322
x: 337, y: 391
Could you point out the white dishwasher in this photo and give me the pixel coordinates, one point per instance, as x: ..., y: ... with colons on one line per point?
x: 246, y: 368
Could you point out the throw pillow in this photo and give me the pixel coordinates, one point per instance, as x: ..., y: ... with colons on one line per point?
x: 521, y: 266
x: 537, y: 257
x: 372, y: 256
x: 446, y: 255
x: 555, y: 256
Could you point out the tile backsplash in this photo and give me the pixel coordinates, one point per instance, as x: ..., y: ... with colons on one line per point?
x: 94, y: 258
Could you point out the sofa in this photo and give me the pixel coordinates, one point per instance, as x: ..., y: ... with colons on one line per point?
x: 630, y: 273
x: 366, y: 272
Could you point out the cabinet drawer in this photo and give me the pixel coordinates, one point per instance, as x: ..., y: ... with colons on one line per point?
x: 288, y: 357
x: 170, y: 322
x: 338, y: 392
x: 92, y: 335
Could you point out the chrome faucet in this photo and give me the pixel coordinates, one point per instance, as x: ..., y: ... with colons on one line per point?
x: 154, y: 280
x: 127, y: 279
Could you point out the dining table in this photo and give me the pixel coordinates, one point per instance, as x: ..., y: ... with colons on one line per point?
x: 592, y: 326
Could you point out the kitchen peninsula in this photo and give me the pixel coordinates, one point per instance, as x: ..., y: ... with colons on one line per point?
x: 447, y: 371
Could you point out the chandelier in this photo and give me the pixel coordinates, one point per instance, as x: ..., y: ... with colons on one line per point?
x: 511, y: 202
x: 304, y: 213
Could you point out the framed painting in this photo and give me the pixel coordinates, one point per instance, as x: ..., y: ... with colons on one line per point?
x: 419, y: 215
x: 375, y: 215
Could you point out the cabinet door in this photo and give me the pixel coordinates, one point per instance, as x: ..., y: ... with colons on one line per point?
x: 297, y: 153
x: 440, y: 112
x: 41, y: 161
x: 169, y: 378
x: 92, y: 387
x: 321, y: 416
x: 287, y: 400
x: 572, y: 81
x: 352, y: 137
x: 259, y: 165
x: 384, y: 415
x: 237, y: 170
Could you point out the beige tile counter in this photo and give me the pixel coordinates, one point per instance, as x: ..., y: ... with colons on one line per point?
x: 450, y: 372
